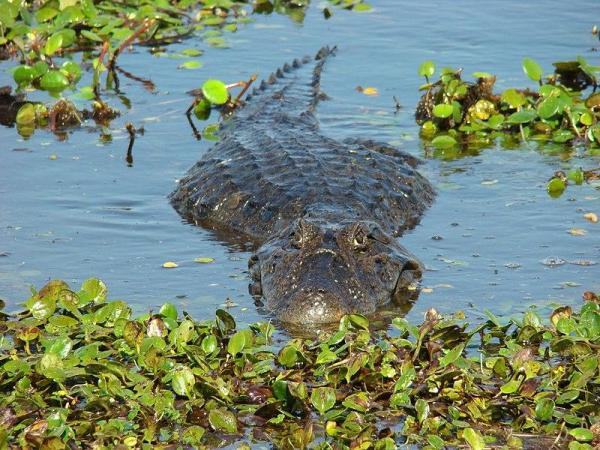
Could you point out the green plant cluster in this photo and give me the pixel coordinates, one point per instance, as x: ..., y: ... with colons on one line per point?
x: 560, y: 180
x: 45, y: 36
x: 77, y: 370
x: 456, y: 113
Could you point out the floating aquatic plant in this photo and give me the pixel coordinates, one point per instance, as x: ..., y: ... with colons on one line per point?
x: 455, y: 114
x: 80, y: 370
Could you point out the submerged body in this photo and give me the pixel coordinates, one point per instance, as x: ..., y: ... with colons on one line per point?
x: 323, y: 213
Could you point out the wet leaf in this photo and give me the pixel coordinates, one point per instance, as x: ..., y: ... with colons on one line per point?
x: 444, y: 141
x: 582, y: 434
x: 532, y: 69
x: 323, y: 398
x: 26, y: 114
x: 523, y: 116
x: 54, y: 81
x: 215, y: 92
x: 204, y: 260
x: 556, y: 186
x: 474, y: 439
x: 544, y: 409
x: 183, y: 381
x: 452, y: 355
x: 513, y: 97
x: 24, y: 75
x: 190, y: 65
x: 223, y: 420
x: 202, y: 111
x: 237, y: 342
x: 370, y: 91
x: 442, y: 110
x: 427, y: 69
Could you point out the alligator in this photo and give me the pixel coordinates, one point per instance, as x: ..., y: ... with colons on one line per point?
x: 323, y: 214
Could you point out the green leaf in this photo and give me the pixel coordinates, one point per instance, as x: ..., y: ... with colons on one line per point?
x: 323, y: 398
x: 576, y: 176
x: 482, y: 75
x: 422, y: 408
x: 288, y: 356
x: 510, y: 387
x: 358, y: 321
x: 24, y: 75
x: 215, y: 92
x: 91, y: 36
x: 452, y: 355
x: 586, y: 119
x: 191, y: 52
x: 362, y: 7
x: 562, y: 136
x: 427, y: 69
x: 54, y: 81
x: 544, y: 409
x: 444, y: 141
x: 43, y: 308
x: 209, y: 343
x: 193, y: 435
x: 190, y: 65
x: 436, y: 442
x: 222, y: 420
x: 53, y: 43
x: 582, y: 434
x: 203, y: 109
x: 443, y: 110
x: 26, y: 114
x: 183, y: 381
x: 204, y: 260
x: 60, y: 346
x: 236, y: 343
x: 169, y: 310
x: 567, y: 397
x: 523, y: 116
x: 474, y: 439
x: 280, y: 389
x: 358, y: 402
x: 532, y: 69
x: 548, y: 107
x: 513, y: 98
x: 72, y: 70
x: 92, y: 290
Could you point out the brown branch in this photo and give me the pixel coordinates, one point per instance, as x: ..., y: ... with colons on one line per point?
x: 127, y: 42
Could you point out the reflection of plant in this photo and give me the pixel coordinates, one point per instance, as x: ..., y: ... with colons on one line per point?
x: 81, y: 371
x: 452, y: 110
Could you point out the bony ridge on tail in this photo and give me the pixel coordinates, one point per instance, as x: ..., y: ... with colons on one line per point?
x: 324, y: 214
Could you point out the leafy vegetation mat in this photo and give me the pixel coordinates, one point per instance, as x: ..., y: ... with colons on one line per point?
x: 564, y: 109
x: 57, y: 41
x: 78, y: 370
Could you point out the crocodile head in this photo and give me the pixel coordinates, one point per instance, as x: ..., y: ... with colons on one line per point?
x: 314, y: 272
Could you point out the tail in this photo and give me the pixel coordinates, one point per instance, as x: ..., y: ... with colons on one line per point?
x: 293, y: 86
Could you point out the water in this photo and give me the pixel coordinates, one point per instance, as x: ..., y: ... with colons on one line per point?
x: 86, y: 213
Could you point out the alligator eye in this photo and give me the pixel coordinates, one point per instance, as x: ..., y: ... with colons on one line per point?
x: 360, y: 239
x: 296, y: 239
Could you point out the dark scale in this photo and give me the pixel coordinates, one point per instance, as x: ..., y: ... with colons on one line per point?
x: 324, y: 214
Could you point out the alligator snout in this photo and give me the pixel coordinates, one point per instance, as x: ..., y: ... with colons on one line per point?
x: 314, y: 305
x: 313, y: 272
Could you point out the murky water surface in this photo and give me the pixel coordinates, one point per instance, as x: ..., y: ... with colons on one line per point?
x: 86, y: 213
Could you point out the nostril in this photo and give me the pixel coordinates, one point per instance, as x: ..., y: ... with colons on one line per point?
x: 412, y: 265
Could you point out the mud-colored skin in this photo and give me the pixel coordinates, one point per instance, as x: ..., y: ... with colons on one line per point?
x: 323, y: 214
x: 9, y: 106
